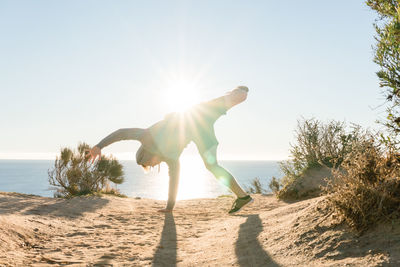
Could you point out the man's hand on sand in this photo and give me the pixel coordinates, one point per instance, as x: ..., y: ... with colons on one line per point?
x: 165, y: 211
x: 93, y: 153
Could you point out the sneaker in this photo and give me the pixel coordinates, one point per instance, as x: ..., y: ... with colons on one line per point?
x: 244, y: 88
x: 240, y: 203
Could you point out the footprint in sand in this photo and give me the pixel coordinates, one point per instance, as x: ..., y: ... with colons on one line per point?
x: 77, y: 233
x: 129, y: 243
x: 102, y: 226
x: 109, y: 256
x: 119, y: 233
x: 83, y: 245
x: 103, y: 263
x: 122, y: 219
x: 133, y: 258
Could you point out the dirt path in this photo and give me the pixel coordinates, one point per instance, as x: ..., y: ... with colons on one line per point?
x: 108, y: 231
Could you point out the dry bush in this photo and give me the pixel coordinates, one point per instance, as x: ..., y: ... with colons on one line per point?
x: 74, y: 175
x: 367, y: 188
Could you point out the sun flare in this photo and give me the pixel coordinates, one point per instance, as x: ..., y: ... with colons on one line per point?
x: 195, y: 180
x: 180, y: 95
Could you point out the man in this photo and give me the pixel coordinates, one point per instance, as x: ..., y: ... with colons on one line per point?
x: 165, y: 140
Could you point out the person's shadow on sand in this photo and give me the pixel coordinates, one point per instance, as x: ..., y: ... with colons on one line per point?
x: 166, y: 252
x: 13, y: 203
x: 248, y: 250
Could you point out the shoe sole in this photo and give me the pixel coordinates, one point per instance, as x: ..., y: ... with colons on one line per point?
x: 251, y: 201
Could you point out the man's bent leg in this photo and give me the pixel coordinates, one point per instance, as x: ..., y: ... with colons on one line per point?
x: 227, y: 179
x: 210, y: 160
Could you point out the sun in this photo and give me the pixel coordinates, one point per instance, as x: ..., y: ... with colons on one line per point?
x: 181, y: 94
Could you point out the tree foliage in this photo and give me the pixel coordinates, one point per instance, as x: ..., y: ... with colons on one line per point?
x: 387, y: 56
x: 74, y: 175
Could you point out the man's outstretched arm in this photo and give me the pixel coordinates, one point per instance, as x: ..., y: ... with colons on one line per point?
x: 118, y: 135
x: 173, y: 170
x: 121, y: 134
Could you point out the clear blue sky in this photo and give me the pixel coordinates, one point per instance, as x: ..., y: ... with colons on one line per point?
x: 75, y: 71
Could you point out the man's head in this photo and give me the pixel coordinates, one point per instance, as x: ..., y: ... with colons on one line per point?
x: 147, y: 159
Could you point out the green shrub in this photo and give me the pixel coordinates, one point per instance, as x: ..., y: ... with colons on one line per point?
x: 274, y: 185
x: 74, y: 175
x: 256, y: 187
x: 318, y: 144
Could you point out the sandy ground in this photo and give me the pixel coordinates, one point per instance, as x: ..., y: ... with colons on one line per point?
x: 110, y: 231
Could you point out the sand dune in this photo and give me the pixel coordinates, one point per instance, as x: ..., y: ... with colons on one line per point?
x: 110, y: 231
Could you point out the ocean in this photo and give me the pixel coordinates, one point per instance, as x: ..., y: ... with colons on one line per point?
x: 31, y: 177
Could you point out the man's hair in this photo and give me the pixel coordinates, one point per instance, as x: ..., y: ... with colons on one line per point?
x: 143, y: 158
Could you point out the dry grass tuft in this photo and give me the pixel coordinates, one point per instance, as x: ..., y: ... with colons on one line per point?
x: 367, y: 188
